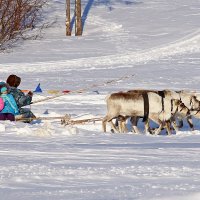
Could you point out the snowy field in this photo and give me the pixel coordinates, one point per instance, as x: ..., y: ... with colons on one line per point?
x: 157, y: 41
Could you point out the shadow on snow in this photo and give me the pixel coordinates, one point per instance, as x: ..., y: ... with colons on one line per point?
x: 108, y: 3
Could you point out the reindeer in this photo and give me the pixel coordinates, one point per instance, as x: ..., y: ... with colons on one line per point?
x: 187, y: 98
x: 166, y: 96
x: 192, y: 102
x: 127, y: 104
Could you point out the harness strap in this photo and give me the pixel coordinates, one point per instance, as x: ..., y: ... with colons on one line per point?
x: 197, y: 111
x: 162, y: 95
x: 179, y: 93
x: 146, y: 106
x: 172, y: 105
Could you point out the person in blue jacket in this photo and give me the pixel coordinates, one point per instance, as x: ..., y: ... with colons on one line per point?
x: 3, y: 84
x: 10, y: 107
x: 21, y: 99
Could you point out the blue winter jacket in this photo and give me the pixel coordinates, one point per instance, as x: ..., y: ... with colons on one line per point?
x: 10, y: 105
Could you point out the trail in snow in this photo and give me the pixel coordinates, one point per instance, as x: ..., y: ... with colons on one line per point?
x: 110, y: 31
x: 188, y: 44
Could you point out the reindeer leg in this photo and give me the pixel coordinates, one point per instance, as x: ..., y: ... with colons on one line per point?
x: 159, y: 122
x: 168, y: 127
x: 134, y: 121
x: 180, y: 123
x: 123, y: 126
x: 104, y: 121
x: 113, y: 127
x: 158, y: 130
x: 147, y: 127
x: 189, y: 120
x: 174, y: 125
x: 108, y: 119
x: 120, y: 124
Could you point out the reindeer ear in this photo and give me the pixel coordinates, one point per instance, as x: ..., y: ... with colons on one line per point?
x: 195, y: 98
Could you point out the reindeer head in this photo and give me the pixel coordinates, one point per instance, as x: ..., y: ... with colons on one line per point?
x: 194, y: 103
x: 179, y: 108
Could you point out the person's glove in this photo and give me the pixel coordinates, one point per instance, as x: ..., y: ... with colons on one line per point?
x: 30, y: 93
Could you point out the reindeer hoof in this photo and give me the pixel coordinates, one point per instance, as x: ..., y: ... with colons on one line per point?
x: 112, y: 130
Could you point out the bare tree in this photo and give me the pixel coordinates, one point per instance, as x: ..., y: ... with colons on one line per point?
x: 78, y: 20
x: 16, y: 17
x: 68, y: 19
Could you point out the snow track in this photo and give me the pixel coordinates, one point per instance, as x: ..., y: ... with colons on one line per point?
x: 188, y: 44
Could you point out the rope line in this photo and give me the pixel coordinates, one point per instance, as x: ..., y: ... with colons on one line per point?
x: 65, y: 120
x: 84, y: 89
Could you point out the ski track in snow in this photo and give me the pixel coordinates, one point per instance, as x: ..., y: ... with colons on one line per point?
x: 112, y: 31
x: 188, y: 44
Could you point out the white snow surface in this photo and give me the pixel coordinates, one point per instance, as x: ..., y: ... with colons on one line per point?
x: 157, y: 41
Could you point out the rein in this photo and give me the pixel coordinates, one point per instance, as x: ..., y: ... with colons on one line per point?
x: 84, y: 89
x: 65, y: 120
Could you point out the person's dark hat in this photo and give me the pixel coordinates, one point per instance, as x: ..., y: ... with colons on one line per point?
x: 17, y: 81
x: 13, y: 80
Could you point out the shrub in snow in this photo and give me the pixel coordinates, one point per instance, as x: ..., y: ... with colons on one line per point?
x: 16, y: 17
